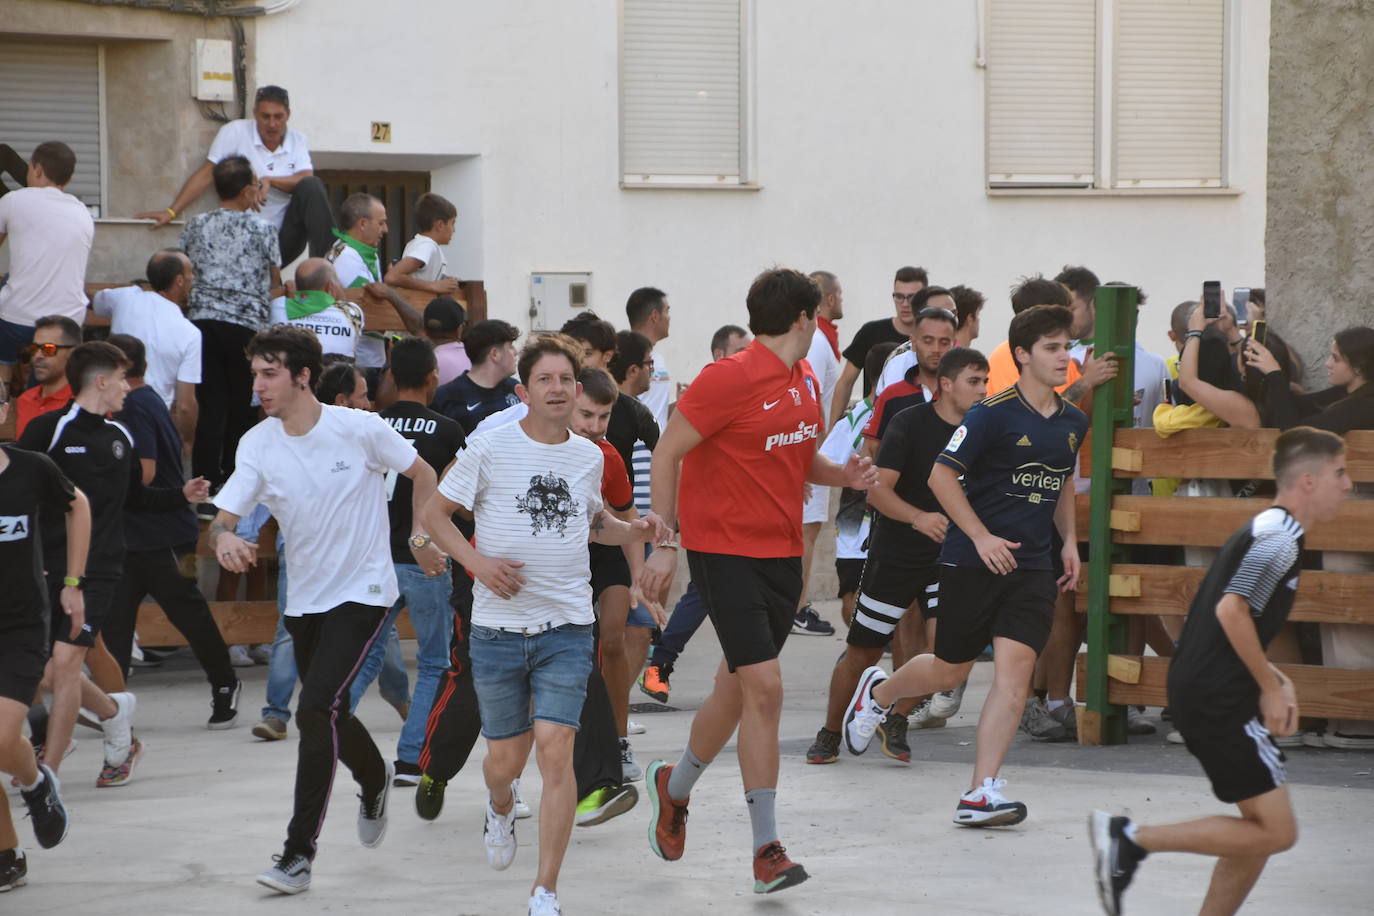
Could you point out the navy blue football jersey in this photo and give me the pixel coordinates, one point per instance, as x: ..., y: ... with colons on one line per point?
x: 1016, y: 465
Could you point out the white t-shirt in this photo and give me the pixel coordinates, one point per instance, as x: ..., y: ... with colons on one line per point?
x: 338, y: 332
x: 517, y: 411
x: 352, y: 271
x: 844, y: 439
x: 240, y: 138
x: 171, y: 341
x: 532, y: 502
x: 431, y: 257
x: 50, y: 234
x: 327, y: 490
x: 661, y: 393
x: 827, y: 368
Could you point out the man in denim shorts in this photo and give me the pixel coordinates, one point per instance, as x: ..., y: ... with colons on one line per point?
x: 535, y: 492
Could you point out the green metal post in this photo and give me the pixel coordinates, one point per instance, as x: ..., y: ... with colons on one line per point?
x: 1111, y: 409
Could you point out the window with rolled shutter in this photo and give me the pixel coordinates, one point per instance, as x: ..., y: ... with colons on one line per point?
x: 1169, y: 93
x: 52, y: 92
x: 682, y: 92
x: 1041, y: 92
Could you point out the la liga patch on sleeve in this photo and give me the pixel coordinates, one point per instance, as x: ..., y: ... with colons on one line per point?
x: 957, y: 439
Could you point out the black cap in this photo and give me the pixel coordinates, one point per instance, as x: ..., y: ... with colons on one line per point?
x: 445, y: 315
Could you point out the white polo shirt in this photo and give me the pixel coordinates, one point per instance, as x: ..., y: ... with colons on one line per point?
x: 171, y: 341
x: 240, y: 138
x: 50, y: 234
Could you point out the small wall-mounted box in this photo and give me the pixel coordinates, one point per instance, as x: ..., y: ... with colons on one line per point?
x: 212, y: 74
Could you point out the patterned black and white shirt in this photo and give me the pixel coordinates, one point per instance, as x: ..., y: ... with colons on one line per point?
x: 1260, y: 563
x: 233, y: 254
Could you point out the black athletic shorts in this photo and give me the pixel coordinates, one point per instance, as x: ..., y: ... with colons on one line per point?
x: 850, y: 571
x: 977, y: 604
x: 23, y: 654
x: 1237, y: 752
x: 752, y: 602
x: 609, y: 567
x: 99, y: 593
x: 888, y: 588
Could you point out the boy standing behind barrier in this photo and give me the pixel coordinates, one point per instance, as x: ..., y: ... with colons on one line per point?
x: 1228, y: 701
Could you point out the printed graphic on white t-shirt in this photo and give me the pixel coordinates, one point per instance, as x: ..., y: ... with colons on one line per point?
x: 338, y: 327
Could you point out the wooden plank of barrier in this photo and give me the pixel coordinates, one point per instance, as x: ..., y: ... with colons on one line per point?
x: 1338, y: 693
x: 1208, y: 522
x: 240, y: 622
x: 1323, y: 597
x: 1235, y: 454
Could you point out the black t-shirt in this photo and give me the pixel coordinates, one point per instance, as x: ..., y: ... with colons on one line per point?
x: 1260, y: 563
x: 33, y: 490
x: 913, y: 438
x: 469, y: 403
x: 870, y: 333
x: 437, y: 439
x: 97, y: 454
x: 631, y: 422
x: 146, y: 417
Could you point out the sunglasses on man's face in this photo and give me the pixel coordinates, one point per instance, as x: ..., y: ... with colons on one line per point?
x: 48, y: 349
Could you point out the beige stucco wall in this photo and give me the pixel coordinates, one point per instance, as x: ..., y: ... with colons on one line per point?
x: 155, y: 132
x: 1319, y: 240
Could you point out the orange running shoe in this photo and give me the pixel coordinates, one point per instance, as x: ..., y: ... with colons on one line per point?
x: 668, y: 828
x: 773, y: 871
x: 654, y: 682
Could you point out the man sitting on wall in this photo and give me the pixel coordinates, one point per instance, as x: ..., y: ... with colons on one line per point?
x: 290, y: 197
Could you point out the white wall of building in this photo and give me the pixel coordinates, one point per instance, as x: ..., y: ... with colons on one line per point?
x: 869, y: 139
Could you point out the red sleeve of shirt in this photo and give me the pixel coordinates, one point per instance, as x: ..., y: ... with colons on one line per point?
x: 713, y: 399
x: 875, y: 419
x: 615, y: 480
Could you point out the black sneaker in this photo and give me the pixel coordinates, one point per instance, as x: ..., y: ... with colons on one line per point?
x: 224, y: 706
x: 892, y: 734
x: 14, y: 870
x: 1115, y: 858
x: 429, y: 797
x: 826, y: 747
x: 809, y: 623
x: 407, y: 775
x: 46, y: 810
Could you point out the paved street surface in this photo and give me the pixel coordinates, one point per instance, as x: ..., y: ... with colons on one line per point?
x: 208, y: 809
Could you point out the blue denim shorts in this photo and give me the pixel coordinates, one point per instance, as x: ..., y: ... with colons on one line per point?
x: 521, y: 678
x: 13, y: 339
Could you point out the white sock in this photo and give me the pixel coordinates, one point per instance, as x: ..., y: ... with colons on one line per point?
x: 36, y: 783
x: 1052, y: 705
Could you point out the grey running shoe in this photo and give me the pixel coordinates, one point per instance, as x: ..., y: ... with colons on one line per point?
x: 1037, y: 722
x: 372, y: 812
x: 270, y: 729
x: 1137, y: 723
x: 290, y: 874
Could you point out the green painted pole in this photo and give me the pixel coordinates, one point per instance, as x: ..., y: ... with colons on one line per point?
x: 1111, y: 410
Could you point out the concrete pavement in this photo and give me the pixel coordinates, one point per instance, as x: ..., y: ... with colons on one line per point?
x: 207, y: 810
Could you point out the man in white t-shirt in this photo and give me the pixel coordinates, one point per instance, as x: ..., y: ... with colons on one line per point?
x: 358, y: 264
x: 535, y: 492
x: 825, y: 362
x: 321, y: 472
x: 319, y: 306
x: 52, y: 239
x: 647, y: 311
x: 157, y: 318
x: 290, y: 197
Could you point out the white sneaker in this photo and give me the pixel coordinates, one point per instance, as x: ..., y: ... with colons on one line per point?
x: 922, y: 717
x: 118, y: 728
x: 261, y: 654
x: 864, y: 715
x: 634, y: 728
x: 498, y: 834
x: 239, y: 657
x: 986, y: 806
x: 544, y: 903
x: 521, y: 809
x: 946, y: 703
x: 629, y: 770
x: 1174, y: 736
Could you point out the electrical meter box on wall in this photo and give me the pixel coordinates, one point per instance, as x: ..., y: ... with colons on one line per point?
x: 556, y: 296
x: 213, y: 70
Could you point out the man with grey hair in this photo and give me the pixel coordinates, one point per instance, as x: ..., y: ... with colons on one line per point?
x: 318, y: 304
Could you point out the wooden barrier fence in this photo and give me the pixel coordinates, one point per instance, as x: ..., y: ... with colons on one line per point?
x: 1141, y: 589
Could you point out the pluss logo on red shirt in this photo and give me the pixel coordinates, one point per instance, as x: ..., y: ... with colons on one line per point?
x: 803, y: 433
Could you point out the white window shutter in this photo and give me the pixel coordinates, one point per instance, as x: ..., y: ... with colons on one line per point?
x: 52, y: 92
x: 1041, y: 92
x: 682, y: 92
x: 1169, y: 104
